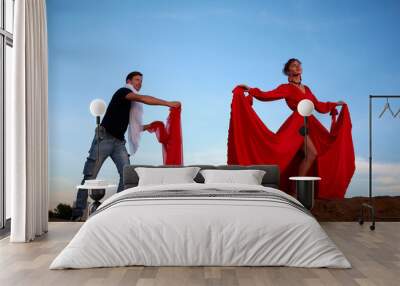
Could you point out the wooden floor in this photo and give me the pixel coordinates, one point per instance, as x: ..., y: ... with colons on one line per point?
x: 375, y: 257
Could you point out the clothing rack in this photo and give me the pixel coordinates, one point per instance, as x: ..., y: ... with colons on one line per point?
x: 369, y: 206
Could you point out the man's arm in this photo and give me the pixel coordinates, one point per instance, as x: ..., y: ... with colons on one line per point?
x: 151, y: 100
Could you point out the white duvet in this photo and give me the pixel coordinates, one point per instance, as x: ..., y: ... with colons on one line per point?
x: 200, y: 231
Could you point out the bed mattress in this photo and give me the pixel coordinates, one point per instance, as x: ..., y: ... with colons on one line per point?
x: 201, y: 225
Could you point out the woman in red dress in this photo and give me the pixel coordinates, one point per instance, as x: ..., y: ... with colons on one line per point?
x: 251, y: 142
x: 293, y: 92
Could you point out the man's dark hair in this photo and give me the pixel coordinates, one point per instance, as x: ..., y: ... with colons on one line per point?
x: 132, y: 74
x: 286, y: 67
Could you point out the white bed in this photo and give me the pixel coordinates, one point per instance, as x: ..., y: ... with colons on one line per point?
x: 202, y: 231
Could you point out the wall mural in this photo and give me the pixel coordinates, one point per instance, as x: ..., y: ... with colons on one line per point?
x: 202, y: 83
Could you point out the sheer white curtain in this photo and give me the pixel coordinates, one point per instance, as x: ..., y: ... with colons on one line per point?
x: 26, y: 121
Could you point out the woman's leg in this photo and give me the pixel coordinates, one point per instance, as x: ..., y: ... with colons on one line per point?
x: 311, y: 156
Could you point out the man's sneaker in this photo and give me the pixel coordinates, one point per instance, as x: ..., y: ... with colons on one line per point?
x: 77, y: 214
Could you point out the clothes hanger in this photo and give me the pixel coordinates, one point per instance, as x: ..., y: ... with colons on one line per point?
x: 397, y: 113
x: 387, y: 107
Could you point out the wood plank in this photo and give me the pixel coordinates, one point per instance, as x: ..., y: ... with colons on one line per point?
x: 375, y: 257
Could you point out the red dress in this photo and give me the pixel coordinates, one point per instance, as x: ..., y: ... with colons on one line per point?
x: 251, y: 142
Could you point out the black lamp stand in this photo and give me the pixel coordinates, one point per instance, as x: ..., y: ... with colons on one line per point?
x: 304, y: 132
x: 96, y: 194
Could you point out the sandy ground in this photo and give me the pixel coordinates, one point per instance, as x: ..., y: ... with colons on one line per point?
x: 387, y: 208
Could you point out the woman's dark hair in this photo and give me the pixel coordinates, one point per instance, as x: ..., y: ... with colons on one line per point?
x: 132, y: 74
x: 287, y: 65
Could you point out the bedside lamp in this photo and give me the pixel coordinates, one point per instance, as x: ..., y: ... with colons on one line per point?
x: 305, y: 184
x: 305, y: 109
x: 97, y: 109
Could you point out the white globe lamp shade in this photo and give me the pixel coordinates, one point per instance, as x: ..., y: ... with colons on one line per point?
x: 305, y: 107
x: 97, y: 107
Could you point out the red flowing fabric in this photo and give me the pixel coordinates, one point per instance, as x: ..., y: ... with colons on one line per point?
x: 251, y: 142
x: 170, y: 136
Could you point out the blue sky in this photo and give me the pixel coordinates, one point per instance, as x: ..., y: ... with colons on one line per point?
x: 196, y: 52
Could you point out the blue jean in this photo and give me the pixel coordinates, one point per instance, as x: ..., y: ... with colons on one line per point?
x: 109, y: 146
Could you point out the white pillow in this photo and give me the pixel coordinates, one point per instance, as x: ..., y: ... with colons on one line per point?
x: 248, y: 177
x: 165, y: 176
